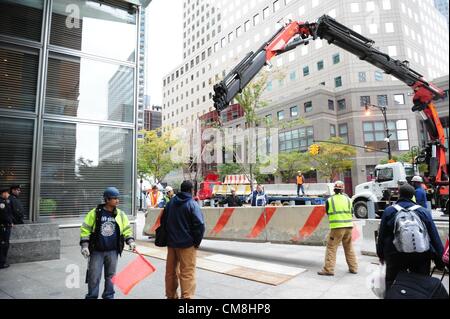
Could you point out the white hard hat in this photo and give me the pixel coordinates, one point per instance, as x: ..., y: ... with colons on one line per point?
x: 417, y: 179
x: 169, y: 189
x: 339, y: 185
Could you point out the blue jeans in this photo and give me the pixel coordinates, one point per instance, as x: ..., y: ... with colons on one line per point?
x: 300, y: 188
x: 98, y: 260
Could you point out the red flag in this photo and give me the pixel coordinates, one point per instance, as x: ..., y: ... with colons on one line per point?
x: 133, y: 273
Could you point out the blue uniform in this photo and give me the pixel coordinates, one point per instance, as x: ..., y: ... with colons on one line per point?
x: 421, y: 196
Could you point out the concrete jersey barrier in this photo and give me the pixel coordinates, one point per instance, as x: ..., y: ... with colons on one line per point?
x: 306, y: 225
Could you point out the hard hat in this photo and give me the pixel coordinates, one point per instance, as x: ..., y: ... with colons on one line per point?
x: 339, y: 185
x: 402, y: 182
x: 169, y: 189
x: 417, y: 179
x: 111, y: 192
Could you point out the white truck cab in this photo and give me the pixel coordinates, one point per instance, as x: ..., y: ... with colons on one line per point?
x: 379, y: 190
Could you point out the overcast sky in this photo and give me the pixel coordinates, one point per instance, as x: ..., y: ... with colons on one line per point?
x: 164, y: 43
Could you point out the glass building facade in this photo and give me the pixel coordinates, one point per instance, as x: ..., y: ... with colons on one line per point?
x: 68, y: 103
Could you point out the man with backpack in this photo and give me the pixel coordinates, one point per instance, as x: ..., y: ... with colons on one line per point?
x: 408, y: 239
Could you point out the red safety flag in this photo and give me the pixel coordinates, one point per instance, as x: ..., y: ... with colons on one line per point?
x: 223, y: 220
x: 132, y: 274
x: 355, y: 233
x: 311, y: 223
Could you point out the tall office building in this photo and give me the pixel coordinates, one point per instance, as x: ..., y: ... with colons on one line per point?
x: 69, y: 73
x: 323, y: 83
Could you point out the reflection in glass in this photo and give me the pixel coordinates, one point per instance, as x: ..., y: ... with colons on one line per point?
x: 16, y: 145
x: 21, y: 18
x: 89, y: 89
x: 100, y: 30
x: 79, y: 161
x: 18, y: 79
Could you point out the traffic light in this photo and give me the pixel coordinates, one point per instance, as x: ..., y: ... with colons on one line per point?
x: 314, y: 149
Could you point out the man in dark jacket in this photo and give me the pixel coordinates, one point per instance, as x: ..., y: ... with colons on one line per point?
x: 397, y: 261
x: 16, y: 205
x: 233, y: 200
x: 6, y: 221
x: 184, y: 224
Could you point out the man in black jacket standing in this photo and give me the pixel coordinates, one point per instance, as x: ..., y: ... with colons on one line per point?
x: 185, y: 227
x: 233, y: 200
x: 400, y: 261
x: 16, y: 206
x: 6, y: 221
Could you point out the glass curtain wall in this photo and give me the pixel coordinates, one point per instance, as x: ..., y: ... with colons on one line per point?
x: 67, y: 103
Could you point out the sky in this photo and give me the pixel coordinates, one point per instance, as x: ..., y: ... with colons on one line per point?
x: 164, y: 29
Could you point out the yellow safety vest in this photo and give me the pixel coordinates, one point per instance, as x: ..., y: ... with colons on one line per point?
x: 339, y: 211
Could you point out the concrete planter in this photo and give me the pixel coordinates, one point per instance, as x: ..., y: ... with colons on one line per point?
x: 34, y: 242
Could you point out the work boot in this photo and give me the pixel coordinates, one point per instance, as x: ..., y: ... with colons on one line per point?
x: 353, y: 272
x: 324, y: 273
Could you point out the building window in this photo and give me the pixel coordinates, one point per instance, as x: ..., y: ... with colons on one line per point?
x: 256, y: 19
x: 296, y: 140
x: 331, y: 105
x: 364, y: 100
x: 294, y: 111
x: 306, y: 71
x: 362, y: 77
x: 399, y: 99
x: 280, y: 115
x: 338, y: 81
x: 378, y: 76
x: 343, y: 132
x: 265, y: 12
x: 382, y: 100
x: 68, y: 167
x: 332, y: 130
x: 308, y: 106
x: 268, y: 119
x: 293, y: 75
x: 320, y: 65
x: 336, y: 58
x: 111, y: 98
x: 247, y: 25
x: 341, y: 105
x: 375, y: 134
x: 276, y: 6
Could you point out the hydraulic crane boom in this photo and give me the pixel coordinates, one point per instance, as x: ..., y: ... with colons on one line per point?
x: 300, y: 33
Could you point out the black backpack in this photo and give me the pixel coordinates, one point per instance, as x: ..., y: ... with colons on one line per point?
x: 409, y: 285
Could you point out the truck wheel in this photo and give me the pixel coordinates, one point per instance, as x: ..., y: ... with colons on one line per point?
x: 360, y: 210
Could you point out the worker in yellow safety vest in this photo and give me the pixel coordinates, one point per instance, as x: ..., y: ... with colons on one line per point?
x: 339, y: 211
x: 104, y: 232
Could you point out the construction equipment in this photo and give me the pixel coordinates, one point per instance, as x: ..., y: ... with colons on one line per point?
x: 297, y: 33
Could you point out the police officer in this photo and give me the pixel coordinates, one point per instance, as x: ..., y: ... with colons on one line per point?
x: 103, y: 233
x: 339, y: 211
x: 16, y: 205
x: 6, y: 221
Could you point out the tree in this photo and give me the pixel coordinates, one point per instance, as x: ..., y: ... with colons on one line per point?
x: 154, y: 155
x: 333, y: 159
x: 290, y: 163
x: 408, y: 157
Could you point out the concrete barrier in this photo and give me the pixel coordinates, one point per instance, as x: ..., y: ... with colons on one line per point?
x: 34, y: 242
x: 370, y: 232
x: 297, y: 225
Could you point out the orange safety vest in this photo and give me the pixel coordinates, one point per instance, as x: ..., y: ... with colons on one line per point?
x: 299, y: 180
x: 154, y: 198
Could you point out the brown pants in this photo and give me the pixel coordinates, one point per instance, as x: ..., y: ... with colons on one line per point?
x: 180, y: 266
x: 335, y: 237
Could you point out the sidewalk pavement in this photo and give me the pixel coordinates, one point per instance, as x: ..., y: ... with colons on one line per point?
x: 64, y: 278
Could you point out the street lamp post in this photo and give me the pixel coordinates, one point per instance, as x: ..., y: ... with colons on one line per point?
x: 140, y: 197
x: 388, y: 134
